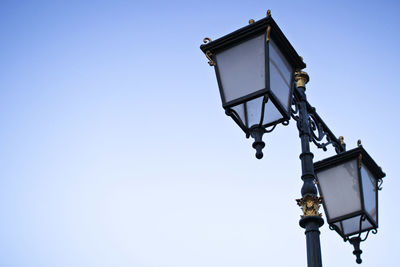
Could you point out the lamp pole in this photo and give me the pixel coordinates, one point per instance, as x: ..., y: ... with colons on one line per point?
x: 310, y: 202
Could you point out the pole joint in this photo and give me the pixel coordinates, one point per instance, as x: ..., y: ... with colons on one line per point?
x: 301, y: 78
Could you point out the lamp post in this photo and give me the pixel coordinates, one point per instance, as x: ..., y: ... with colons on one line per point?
x: 262, y: 84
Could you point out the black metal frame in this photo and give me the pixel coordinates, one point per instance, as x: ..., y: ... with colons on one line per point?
x: 244, y: 34
x: 363, y: 160
x: 363, y: 216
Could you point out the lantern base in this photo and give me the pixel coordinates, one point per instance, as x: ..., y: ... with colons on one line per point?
x: 355, y: 241
x: 258, y: 144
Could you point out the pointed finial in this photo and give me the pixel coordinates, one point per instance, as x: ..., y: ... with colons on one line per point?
x: 341, y: 139
x: 268, y: 13
x: 359, y: 142
x: 355, y: 241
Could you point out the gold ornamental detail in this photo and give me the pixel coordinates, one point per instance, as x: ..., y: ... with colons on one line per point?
x: 359, y: 142
x: 359, y: 156
x: 208, y: 53
x: 268, y: 32
x: 210, y: 61
x: 301, y: 78
x: 341, y: 140
x: 207, y: 40
x: 310, y: 205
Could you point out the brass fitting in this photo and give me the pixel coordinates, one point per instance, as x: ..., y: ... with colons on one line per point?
x: 310, y: 205
x: 341, y: 139
x: 301, y: 78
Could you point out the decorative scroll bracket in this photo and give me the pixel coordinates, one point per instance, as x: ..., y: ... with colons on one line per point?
x: 320, y: 134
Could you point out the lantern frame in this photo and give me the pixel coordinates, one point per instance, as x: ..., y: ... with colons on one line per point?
x: 363, y: 159
x: 267, y: 28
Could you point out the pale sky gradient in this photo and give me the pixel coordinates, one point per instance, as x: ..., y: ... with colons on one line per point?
x: 115, y: 150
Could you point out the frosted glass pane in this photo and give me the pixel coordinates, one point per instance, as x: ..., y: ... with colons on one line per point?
x: 240, y: 111
x: 369, y: 190
x: 254, y: 107
x: 340, y: 189
x: 271, y: 113
x: 280, y: 75
x: 352, y: 225
x: 242, y: 68
x: 254, y: 111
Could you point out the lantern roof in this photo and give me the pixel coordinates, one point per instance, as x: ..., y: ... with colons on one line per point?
x: 350, y: 154
x: 251, y: 30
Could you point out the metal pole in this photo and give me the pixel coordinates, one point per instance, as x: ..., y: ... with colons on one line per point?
x: 310, y: 202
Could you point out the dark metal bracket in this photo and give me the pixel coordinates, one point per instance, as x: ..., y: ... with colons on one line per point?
x: 320, y: 134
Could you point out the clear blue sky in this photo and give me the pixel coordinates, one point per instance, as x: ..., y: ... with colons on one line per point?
x: 115, y: 151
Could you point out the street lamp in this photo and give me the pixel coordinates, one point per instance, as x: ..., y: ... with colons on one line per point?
x: 262, y: 84
x: 255, y: 70
x: 349, y: 183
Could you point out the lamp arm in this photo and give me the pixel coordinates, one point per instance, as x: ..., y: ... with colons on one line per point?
x: 320, y: 134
